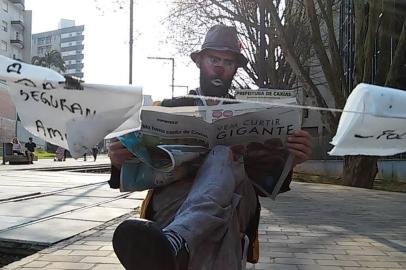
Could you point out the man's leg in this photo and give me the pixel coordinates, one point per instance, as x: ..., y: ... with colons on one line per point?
x: 211, y: 200
x: 206, y: 218
x: 29, y: 156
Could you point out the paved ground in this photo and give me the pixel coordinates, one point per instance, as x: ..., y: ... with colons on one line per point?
x: 50, y: 163
x: 311, y: 227
x: 40, y: 208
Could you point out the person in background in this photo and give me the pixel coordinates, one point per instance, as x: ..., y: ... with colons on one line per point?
x: 17, y: 149
x: 59, y: 154
x: 65, y: 153
x: 30, y: 149
x: 95, y: 151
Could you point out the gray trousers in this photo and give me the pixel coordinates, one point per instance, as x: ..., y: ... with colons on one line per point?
x: 210, y: 211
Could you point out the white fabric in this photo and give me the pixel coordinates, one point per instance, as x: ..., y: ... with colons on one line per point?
x: 373, y: 123
x: 75, y: 119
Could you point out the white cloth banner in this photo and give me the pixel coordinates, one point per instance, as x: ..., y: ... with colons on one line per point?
x: 75, y: 118
x: 373, y: 123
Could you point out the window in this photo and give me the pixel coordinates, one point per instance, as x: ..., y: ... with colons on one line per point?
x: 41, y: 41
x: 3, y: 45
x: 4, y: 5
x: 4, y: 26
x: 68, y: 53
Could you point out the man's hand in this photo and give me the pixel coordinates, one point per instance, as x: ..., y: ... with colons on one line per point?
x: 299, y: 144
x: 118, y: 154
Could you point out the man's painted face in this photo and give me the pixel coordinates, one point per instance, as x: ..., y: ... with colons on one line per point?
x: 217, y: 70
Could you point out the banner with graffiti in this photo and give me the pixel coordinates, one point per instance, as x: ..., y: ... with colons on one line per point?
x: 67, y: 112
x: 373, y: 123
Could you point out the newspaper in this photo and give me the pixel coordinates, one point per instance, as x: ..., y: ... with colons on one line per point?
x: 172, y: 137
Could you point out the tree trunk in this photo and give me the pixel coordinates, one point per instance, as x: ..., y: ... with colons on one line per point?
x: 360, y: 171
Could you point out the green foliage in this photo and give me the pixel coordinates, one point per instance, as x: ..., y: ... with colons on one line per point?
x: 52, y: 59
x: 41, y: 154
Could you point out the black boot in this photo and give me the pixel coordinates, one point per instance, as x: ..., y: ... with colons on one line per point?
x: 140, y: 245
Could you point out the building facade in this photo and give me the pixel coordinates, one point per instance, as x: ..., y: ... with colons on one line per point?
x: 15, y: 42
x: 67, y: 39
x: 15, y: 31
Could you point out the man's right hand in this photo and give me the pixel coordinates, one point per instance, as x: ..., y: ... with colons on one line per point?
x: 118, y: 154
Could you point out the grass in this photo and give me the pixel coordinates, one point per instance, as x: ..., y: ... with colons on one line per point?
x: 379, y: 184
x: 41, y: 154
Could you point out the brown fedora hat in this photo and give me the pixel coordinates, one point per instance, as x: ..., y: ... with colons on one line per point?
x: 222, y: 38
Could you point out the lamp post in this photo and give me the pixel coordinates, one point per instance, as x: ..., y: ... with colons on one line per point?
x: 173, y: 69
x: 131, y: 41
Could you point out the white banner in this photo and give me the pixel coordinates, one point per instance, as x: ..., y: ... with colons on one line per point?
x: 373, y: 123
x: 75, y: 117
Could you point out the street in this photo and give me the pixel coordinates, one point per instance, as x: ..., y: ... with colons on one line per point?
x: 314, y: 226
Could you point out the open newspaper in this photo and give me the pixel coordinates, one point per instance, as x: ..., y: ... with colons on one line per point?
x: 172, y: 140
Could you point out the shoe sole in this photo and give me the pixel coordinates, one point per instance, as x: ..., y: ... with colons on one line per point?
x: 141, y: 245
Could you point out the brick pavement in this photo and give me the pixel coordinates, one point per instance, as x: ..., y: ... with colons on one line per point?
x: 312, y: 227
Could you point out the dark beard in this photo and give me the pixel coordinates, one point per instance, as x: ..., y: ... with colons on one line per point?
x: 214, y: 86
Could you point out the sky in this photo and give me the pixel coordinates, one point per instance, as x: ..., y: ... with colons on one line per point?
x: 106, y: 53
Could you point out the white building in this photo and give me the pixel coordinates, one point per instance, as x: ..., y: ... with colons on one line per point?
x: 15, y: 42
x: 15, y: 31
x: 67, y: 39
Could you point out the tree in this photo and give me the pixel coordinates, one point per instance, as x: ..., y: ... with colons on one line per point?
x: 380, y: 57
x: 376, y: 22
x: 189, y: 21
x: 298, y: 33
x: 52, y: 59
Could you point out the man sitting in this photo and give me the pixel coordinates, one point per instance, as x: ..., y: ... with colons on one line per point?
x: 30, y: 149
x: 196, y: 222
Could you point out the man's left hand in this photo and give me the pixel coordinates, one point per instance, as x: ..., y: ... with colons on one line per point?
x: 299, y: 144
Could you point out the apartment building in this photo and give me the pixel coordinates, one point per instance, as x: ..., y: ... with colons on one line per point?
x: 15, y: 42
x: 67, y: 39
x: 15, y: 31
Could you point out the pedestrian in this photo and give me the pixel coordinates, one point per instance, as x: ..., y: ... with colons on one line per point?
x: 95, y: 151
x: 59, y: 154
x: 196, y: 223
x: 30, y: 149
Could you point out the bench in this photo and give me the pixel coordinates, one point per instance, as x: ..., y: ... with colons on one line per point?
x: 14, y: 158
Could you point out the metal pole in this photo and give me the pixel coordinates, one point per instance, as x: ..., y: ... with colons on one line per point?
x: 173, y: 77
x: 262, y: 45
x: 130, y: 80
x: 4, y: 154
